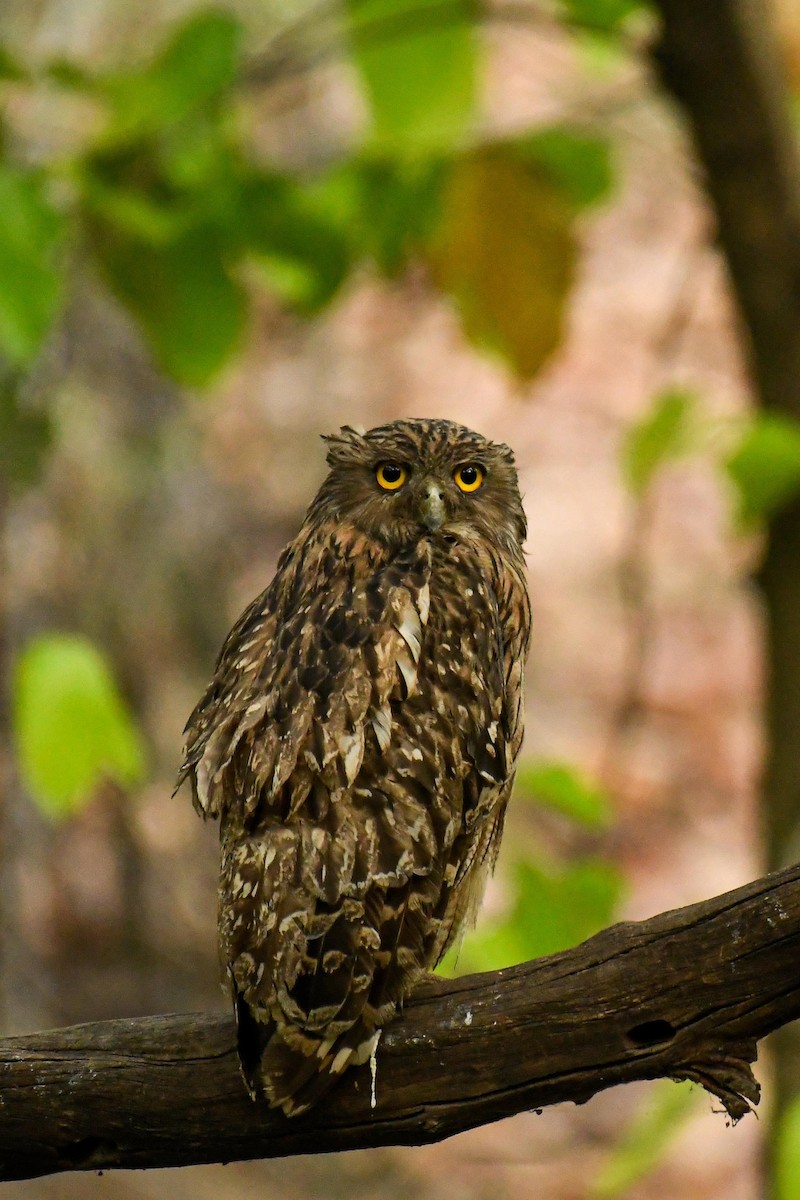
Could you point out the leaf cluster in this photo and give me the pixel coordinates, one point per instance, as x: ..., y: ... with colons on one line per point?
x: 168, y: 200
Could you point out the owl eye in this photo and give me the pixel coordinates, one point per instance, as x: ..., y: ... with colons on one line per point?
x: 391, y: 476
x: 469, y: 477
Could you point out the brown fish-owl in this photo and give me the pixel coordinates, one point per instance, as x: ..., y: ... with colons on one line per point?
x: 358, y: 743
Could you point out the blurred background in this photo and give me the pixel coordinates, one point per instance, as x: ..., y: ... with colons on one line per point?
x: 224, y: 231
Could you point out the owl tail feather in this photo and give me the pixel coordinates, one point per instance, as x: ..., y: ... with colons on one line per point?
x: 293, y: 1077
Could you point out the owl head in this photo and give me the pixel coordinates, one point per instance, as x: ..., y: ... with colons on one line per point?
x: 401, y: 480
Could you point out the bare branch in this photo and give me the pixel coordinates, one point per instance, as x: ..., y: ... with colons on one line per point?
x: 686, y: 995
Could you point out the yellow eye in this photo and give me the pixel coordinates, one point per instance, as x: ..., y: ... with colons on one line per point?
x: 469, y: 477
x: 391, y: 476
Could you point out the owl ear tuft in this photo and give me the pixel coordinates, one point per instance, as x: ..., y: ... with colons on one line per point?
x: 347, y: 446
x: 505, y: 452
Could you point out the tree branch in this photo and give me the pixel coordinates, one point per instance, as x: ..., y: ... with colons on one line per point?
x: 686, y: 995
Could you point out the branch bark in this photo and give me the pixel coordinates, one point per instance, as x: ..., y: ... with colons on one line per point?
x: 686, y: 995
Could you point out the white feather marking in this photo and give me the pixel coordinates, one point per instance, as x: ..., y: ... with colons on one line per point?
x: 204, y: 774
x: 410, y: 630
x: 408, y: 671
x: 382, y: 724
x: 324, y: 1048
x: 341, y: 1060
x: 353, y: 755
x: 373, y: 1072
x: 424, y: 603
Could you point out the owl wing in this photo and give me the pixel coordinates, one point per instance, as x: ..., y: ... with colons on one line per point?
x: 308, y: 672
x: 304, y: 686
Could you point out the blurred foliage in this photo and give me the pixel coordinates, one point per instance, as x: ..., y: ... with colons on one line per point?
x: 385, y: 208
x: 663, y: 434
x: 577, y: 164
x: 553, y: 906
x: 71, y: 727
x: 760, y: 458
x: 561, y: 787
x: 765, y: 467
x: 32, y: 234
x: 25, y: 437
x: 787, y: 1153
x: 419, y: 64
x: 9, y: 67
x: 506, y: 254
x: 601, y: 16
x: 648, y: 1137
x: 167, y: 199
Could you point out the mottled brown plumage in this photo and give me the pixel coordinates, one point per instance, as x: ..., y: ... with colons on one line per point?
x: 358, y: 742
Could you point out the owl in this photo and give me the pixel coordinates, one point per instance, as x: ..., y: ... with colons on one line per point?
x: 358, y: 743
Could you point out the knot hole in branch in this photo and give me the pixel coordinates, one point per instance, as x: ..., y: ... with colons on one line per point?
x: 651, y: 1033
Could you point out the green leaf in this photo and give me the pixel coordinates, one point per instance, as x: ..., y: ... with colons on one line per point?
x: 71, y: 727
x: 601, y: 16
x: 559, y: 909
x: 183, y: 294
x: 579, y: 164
x: 300, y: 249
x: 787, y: 1152
x: 401, y: 205
x: 386, y: 208
x: 134, y: 210
x: 31, y: 236
x: 765, y: 467
x: 70, y: 76
x: 170, y: 247
x: 505, y: 251
x: 560, y: 786
x: 644, y: 1143
x: 418, y: 61
x: 196, y: 67
x: 25, y: 437
x: 173, y: 222
x: 10, y: 66
x: 552, y: 910
x: 662, y: 435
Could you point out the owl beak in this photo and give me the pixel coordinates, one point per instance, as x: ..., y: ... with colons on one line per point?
x: 431, y: 510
